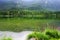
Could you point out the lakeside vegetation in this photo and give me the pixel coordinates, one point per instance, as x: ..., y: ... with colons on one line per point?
x: 32, y: 20
x: 45, y: 35
x: 21, y: 24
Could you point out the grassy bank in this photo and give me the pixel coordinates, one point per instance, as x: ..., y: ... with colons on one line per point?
x: 21, y: 24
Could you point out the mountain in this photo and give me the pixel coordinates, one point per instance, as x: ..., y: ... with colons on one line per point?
x: 30, y: 4
x: 51, y: 4
x: 5, y: 5
x: 41, y: 4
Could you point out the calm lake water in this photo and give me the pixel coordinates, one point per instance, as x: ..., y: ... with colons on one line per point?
x: 15, y: 35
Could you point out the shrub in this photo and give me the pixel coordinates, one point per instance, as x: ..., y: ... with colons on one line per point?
x: 38, y: 36
x: 42, y: 36
x: 46, y: 35
x: 33, y: 35
x: 53, y: 34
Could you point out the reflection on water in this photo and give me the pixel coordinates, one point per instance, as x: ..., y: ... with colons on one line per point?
x: 15, y: 35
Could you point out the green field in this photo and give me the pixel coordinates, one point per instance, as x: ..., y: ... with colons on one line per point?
x: 21, y: 24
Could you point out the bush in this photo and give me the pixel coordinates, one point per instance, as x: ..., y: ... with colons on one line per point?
x: 33, y: 35
x: 53, y: 34
x: 38, y: 36
x: 42, y: 36
x: 46, y: 35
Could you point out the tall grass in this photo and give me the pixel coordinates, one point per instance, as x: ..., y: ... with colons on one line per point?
x: 19, y: 24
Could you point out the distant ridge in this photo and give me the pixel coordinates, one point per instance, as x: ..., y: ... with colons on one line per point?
x: 35, y: 5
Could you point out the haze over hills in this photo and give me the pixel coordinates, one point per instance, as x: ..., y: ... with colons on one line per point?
x: 7, y: 4
x: 30, y: 4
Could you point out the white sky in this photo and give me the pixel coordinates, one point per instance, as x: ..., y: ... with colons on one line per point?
x: 27, y: 0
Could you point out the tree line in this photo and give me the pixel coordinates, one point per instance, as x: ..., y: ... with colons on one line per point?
x: 30, y: 14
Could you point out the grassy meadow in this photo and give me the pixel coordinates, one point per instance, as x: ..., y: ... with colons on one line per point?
x: 22, y: 24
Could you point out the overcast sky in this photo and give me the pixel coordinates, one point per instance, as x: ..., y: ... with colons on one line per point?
x: 34, y: 1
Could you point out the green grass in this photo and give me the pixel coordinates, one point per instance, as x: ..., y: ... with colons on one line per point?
x: 45, y: 35
x: 21, y: 24
x: 6, y: 38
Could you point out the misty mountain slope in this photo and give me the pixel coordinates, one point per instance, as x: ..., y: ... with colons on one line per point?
x: 30, y: 4
x: 52, y: 4
x: 4, y: 5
